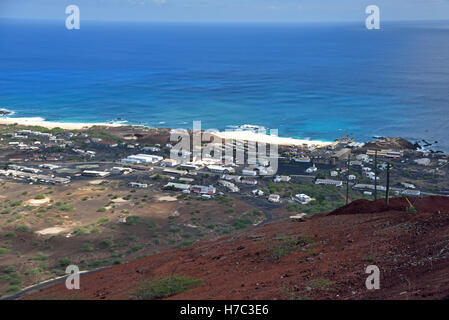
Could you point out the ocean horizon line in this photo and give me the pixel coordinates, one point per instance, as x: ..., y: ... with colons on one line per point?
x: 242, y: 22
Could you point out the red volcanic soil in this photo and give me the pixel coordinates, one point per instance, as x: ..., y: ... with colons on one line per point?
x: 328, y: 258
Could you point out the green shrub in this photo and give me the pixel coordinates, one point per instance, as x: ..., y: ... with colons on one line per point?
x: 87, y: 247
x: 293, y: 207
x: 109, y: 243
x: 80, y: 231
x: 23, y: 228
x: 13, y: 289
x: 102, y: 221
x: 16, y: 203
x: 64, y: 262
x: 184, y: 244
x: 63, y: 207
x: 39, y: 257
x: 39, y: 196
x: 10, y: 235
x: 174, y: 229
x: 32, y: 272
x: 9, y: 269
x: 134, y: 249
x: 95, y: 231
x: 131, y: 220
x: 164, y: 287
x: 287, y: 245
x: 411, y: 209
x: 242, y: 222
x: 322, y: 284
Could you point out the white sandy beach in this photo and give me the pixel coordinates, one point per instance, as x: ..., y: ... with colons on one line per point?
x: 50, y: 124
x: 268, y: 139
x: 242, y: 135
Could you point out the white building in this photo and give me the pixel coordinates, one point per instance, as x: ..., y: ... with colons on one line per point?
x: 423, y: 161
x: 232, y: 187
x: 249, y: 181
x: 143, y: 159
x: 175, y: 171
x: 370, y: 174
x: 177, y: 186
x: 118, y: 170
x: 49, y: 166
x: 312, y: 169
x: 138, y: 185
x: 302, y: 159
x: 203, y: 189
x: 303, y: 198
x: 169, y: 163
x: 248, y: 172
x: 220, y: 169
x: 230, y: 177
x: 257, y: 192
x: 274, y: 198
x: 151, y: 149
x: 362, y: 157
x: 282, y: 179
x: 92, y: 173
x: 414, y: 193
x: 191, y: 166
x: 336, y: 183
x: 408, y: 185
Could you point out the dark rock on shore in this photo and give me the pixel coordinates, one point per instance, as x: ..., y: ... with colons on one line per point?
x: 4, y: 112
x: 394, y: 143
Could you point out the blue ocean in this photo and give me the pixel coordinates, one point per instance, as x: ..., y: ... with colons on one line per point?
x: 306, y: 80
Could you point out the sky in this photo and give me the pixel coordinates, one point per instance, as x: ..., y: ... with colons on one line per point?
x: 227, y: 10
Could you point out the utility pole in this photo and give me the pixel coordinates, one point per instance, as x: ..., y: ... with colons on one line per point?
x: 375, y: 174
x: 347, y: 180
x: 387, y: 193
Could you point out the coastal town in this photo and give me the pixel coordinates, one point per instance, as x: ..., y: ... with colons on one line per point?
x: 105, y: 195
x: 57, y: 156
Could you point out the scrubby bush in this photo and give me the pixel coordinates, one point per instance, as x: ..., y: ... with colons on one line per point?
x: 164, y: 287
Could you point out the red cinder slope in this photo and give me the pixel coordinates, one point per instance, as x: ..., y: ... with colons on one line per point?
x: 324, y: 257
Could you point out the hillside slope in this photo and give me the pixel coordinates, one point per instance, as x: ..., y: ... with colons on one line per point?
x: 324, y: 257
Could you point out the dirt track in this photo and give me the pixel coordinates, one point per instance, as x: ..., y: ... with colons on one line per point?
x: 332, y: 253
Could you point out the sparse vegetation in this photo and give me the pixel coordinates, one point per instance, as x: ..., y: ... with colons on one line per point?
x: 132, y: 220
x: 23, y: 228
x: 164, y: 287
x: 322, y: 284
x: 287, y: 245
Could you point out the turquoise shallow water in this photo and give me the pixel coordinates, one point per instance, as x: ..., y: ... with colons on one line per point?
x: 306, y: 80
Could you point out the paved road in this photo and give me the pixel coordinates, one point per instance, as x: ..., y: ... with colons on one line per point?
x: 45, y: 284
